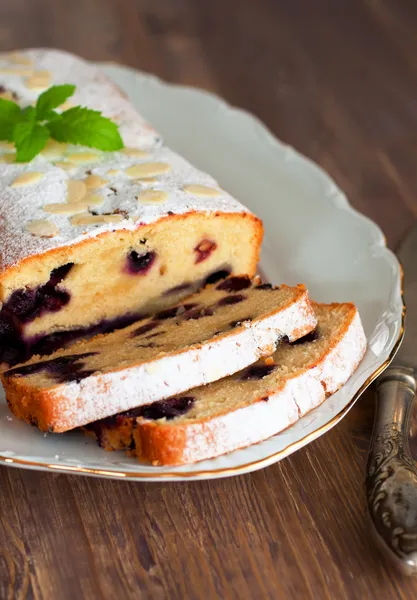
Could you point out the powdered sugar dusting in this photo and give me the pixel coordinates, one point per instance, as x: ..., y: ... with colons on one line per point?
x: 102, y: 395
x: 260, y: 420
x: 20, y: 206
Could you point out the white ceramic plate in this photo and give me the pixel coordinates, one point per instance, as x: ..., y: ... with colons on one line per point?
x: 312, y: 236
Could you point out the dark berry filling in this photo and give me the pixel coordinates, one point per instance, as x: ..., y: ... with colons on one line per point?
x: 204, y: 249
x: 64, y: 368
x: 197, y: 313
x: 178, y: 289
x: 14, y: 349
x: 144, y: 329
x: 231, y: 300
x: 265, y: 286
x: 139, y: 264
x: 257, y: 372
x: 149, y: 345
x: 168, y: 409
x: 175, y: 311
x: 310, y: 337
x: 27, y: 304
x: 217, y: 276
x: 234, y: 284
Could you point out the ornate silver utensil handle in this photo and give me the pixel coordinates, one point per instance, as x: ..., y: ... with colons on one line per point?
x: 391, y: 478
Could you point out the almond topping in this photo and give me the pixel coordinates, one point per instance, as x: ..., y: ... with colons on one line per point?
x: 26, y: 179
x: 65, y: 208
x: 95, y: 219
x: 76, y: 190
x: 269, y: 361
x: 83, y: 157
x: 134, y: 152
x: 152, y: 197
x: 66, y: 105
x: 201, y: 190
x: 19, y: 58
x: 113, y: 172
x: 93, y: 199
x: 147, y: 169
x: 94, y: 181
x: 42, y: 228
x: 54, y: 149
x: 67, y: 166
x: 7, y: 95
x: 23, y: 72
x: 8, y: 158
x: 39, y: 80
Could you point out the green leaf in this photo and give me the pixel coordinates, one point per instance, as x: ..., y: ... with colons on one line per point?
x: 10, y: 114
x: 30, y: 138
x: 87, y: 127
x: 29, y: 113
x: 52, y: 98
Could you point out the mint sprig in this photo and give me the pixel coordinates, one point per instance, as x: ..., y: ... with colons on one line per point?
x: 31, y: 127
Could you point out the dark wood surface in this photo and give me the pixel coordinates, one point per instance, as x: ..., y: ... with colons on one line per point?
x: 338, y: 80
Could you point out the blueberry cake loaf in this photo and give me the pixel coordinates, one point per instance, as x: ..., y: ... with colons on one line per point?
x: 245, y: 408
x: 216, y: 332
x: 90, y: 240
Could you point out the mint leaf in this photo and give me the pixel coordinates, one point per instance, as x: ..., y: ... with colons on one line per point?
x: 52, y: 98
x: 30, y: 138
x: 29, y: 113
x: 87, y: 127
x: 10, y: 115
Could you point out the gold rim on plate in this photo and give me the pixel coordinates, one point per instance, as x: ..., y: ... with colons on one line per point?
x: 228, y: 471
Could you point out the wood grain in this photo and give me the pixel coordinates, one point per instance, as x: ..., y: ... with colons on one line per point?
x: 338, y: 80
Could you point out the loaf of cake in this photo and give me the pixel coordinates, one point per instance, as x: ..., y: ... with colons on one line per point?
x: 245, y: 408
x: 91, y: 241
x: 216, y: 332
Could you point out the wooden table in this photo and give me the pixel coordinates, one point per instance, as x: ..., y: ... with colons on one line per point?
x: 338, y: 80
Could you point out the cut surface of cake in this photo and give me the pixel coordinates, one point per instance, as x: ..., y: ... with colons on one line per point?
x: 91, y: 240
x: 216, y: 332
x: 247, y: 407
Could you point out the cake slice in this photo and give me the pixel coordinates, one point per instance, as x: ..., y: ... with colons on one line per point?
x: 247, y: 407
x: 91, y: 240
x: 216, y: 332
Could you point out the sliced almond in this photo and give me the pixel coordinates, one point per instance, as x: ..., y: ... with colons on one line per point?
x: 22, y: 72
x: 93, y: 200
x: 54, y: 149
x: 66, y: 105
x: 83, y: 157
x: 42, y: 228
x: 26, y: 179
x: 7, y: 95
x: 148, y: 180
x: 95, y: 219
x: 9, y: 158
x: 67, y: 166
x: 147, y: 169
x: 76, y: 190
x: 94, y: 181
x: 19, y: 58
x: 134, y: 152
x: 152, y: 197
x: 39, y: 80
x: 113, y: 172
x: 65, y: 208
x: 201, y: 190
